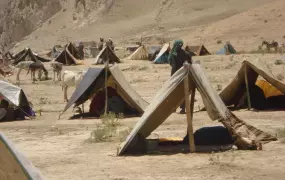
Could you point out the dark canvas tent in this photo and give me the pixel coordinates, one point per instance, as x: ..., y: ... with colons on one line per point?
x: 233, y: 93
x: 227, y: 49
x: 199, y: 50
x: 13, y: 164
x: 171, y: 95
x: 94, y: 81
x: 28, y: 55
x: 73, y: 50
x: 66, y: 58
x: 104, y: 54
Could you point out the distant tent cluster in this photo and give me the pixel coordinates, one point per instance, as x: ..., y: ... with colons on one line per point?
x: 227, y: 49
x: 69, y: 56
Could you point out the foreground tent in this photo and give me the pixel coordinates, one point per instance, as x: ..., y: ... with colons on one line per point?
x: 13, y: 164
x: 28, y: 55
x: 94, y: 81
x: 172, y: 95
x: 162, y: 57
x: 140, y: 54
x: 199, y: 50
x: 236, y: 89
x: 104, y: 54
x: 66, y: 58
x: 227, y: 49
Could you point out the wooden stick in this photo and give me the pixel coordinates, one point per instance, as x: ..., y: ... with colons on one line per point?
x: 189, y: 112
x: 247, y: 88
x: 106, y: 79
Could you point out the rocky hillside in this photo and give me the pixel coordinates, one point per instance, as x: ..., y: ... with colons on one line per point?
x: 18, y: 18
x: 195, y: 21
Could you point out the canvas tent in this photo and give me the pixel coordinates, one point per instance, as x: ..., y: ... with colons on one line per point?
x: 73, y: 50
x: 140, y: 54
x: 28, y: 55
x: 94, y: 81
x: 13, y: 94
x: 236, y: 89
x: 162, y: 57
x: 104, y: 54
x: 227, y: 49
x: 66, y: 58
x: 199, y: 50
x: 13, y: 164
x: 171, y: 95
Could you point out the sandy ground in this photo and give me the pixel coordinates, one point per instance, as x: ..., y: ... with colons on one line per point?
x: 59, y: 148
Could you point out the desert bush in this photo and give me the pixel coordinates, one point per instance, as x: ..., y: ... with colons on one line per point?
x: 124, y: 134
x: 219, y: 42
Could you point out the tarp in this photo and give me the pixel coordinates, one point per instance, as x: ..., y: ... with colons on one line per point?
x: 94, y: 79
x: 227, y: 49
x: 160, y: 58
x: 13, y: 164
x: 140, y: 54
x: 104, y: 54
x: 66, y: 58
x: 28, y: 55
x: 171, y: 95
x: 199, y: 50
x: 13, y: 94
x: 233, y: 92
x: 268, y: 89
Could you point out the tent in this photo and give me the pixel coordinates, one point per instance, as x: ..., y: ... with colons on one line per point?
x: 13, y: 94
x: 235, y: 90
x: 140, y: 54
x: 171, y: 95
x: 28, y: 54
x: 162, y: 57
x: 94, y: 81
x: 105, y: 53
x: 13, y: 164
x: 73, y: 50
x: 199, y: 50
x: 227, y: 49
x: 66, y: 58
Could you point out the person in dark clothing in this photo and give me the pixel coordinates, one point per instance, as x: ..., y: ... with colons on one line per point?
x: 81, y: 50
x: 176, y: 58
x: 101, y: 44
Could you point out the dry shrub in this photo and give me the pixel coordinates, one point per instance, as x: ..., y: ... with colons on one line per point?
x: 107, y: 130
x: 219, y: 42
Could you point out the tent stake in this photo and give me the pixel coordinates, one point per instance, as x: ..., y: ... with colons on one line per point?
x: 189, y: 112
x: 247, y: 89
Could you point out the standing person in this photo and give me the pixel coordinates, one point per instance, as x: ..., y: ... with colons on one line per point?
x: 81, y: 50
x: 101, y: 44
x: 111, y: 44
x: 176, y: 59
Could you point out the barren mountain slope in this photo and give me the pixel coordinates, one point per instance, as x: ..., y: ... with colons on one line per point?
x: 131, y: 19
x: 19, y: 18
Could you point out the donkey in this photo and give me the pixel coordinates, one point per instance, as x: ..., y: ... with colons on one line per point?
x: 37, y: 66
x: 268, y: 45
x: 57, y: 68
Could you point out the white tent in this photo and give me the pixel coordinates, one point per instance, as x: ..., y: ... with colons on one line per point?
x: 140, y: 54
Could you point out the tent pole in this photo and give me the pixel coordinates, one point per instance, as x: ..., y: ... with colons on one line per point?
x: 189, y: 110
x: 247, y: 88
x: 106, y: 79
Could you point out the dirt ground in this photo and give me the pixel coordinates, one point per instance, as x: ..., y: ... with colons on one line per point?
x: 60, y: 150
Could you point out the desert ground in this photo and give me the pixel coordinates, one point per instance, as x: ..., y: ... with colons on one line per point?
x: 61, y: 150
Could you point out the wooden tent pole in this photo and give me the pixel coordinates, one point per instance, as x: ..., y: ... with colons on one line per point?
x: 106, y: 79
x: 247, y: 88
x: 189, y: 110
